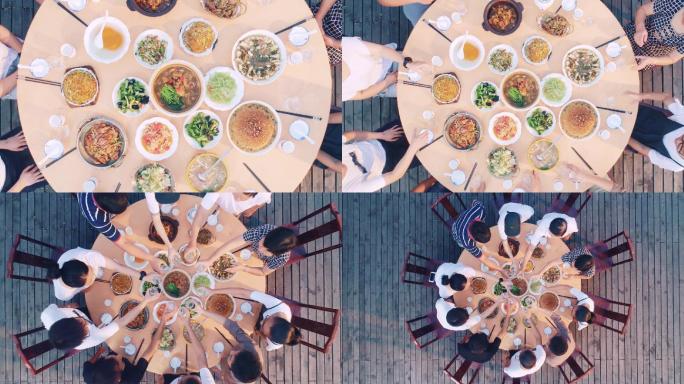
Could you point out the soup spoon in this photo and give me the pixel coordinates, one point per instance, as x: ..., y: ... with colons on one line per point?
x: 203, y: 176
x: 99, y: 41
x: 540, y: 156
x: 461, y: 50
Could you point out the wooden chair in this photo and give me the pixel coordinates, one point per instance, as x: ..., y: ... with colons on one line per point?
x: 418, y: 329
x: 625, y: 246
x: 446, y: 204
x: 265, y: 379
x: 327, y: 329
x: 26, y: 354
x: 329, y: 228
x: 17, y: 256
x: 567, y: 205
x: 615, y: 312
x: 419, y: 265
x: 460, y: 372
x: 516, y: 380
x: 572, y: 368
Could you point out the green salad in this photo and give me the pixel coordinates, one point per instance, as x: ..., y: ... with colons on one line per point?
x: 540, y: 120
x: 221, y: 88
x: 153, y: 178
x: 132, y: 96
x: 202, y: 128
x: 486, y: 95
x: 554, y: 90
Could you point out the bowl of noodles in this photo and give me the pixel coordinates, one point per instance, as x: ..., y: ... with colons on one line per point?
x: 102, y: 142
x: 198, y: 37
x: 80, y: 87
x: 462, y: 131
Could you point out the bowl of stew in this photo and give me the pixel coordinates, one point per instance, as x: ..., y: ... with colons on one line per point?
x: 177, y: 88
x: 151, y: 8
x: 502, y: 17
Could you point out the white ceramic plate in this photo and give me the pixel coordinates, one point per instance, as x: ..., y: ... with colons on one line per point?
x: 518, y: 131
x: 192, y: 141
x: 187, y: 50
x: 239, y: 89
x: 115, y: 97
x: 162, y: 36
x: 568, y: 89
x: 473, y: 95
x: 130, y: 260
x: 152, y: 156
x: 514, y: 60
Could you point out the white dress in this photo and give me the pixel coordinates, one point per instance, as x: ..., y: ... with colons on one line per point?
x: 364, y: 68
x: 274, y: 306
x: 372, y: 157
x: 443, y: 307
x: 233, y: 206
x: 448, y: 269
x: 543, y: 231
x: 7, y: 57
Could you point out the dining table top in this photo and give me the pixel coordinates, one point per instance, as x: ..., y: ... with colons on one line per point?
x: 134, y: 225
x: 305, y: 87
x: 597, y: 153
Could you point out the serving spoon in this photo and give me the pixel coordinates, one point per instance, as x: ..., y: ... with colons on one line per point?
x: 540, y: 156
x: 203, y: 176
x: 461, y: 51
x: 99, y: 40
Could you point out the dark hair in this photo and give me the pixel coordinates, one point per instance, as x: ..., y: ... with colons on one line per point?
x: 558, y: 226
x: 246, y: 367
x: 457, y: 282
x: 512, y: 224
x: 113, y: 203
x: 166, y: 197
x: 480, y: 232
x: 103, y: 370
x: 478, y: 343
x: 528, y: 359
x: 584, y: 262
x: 457, y: 316
x: 558, y: 345
x: 584, y: 315
x: 190, y: 379
x: 283, y: 332
x: 73, y: 273
x: 67, y: 334
x: 280, y: 240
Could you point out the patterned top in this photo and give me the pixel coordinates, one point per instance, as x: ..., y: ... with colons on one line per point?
x: 571, y: 256
x: 254, y: 236
x: 662, y: 38
x: 332, y: 25
x: 100, y: 219
x: 459, y: 230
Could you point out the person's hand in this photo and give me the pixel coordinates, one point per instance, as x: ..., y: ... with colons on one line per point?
x: 635, y: 97
x: 644, y: 61
x: 329, y: 41
x: 29, y: 176
x: 172, y: 253
x: 157, y: 265
x: 419, y: 66
x: 151, y: 295
x: 392, y: 78
x: 392, y: 134
x: 640, y: 36
x: 15, y: 143
x: 421, y: 139
x: 191, y: 248
x: 235, y: 269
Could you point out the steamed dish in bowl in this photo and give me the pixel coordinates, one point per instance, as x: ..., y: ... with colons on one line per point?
x: 252, y: 127
x: 258, y: 57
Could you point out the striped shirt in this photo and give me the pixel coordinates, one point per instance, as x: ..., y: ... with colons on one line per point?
x: 100, y: 219
x: 459, y: 230
x: 254, y: 236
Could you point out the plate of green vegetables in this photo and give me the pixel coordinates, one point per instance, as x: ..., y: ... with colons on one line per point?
x: 131, y: 96
x: 485, y: 95
x: 540, y: 121
x: 225, y: 88
x: 203, y: 129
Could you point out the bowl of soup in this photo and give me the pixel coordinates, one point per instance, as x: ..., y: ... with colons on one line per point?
x: 177, y: 88
x: 520, y: 90
x: 116, y: 40
x: 176, y: 284
x: 473, y: 52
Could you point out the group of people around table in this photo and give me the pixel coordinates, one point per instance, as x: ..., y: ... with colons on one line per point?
x: 369, y: 69
x: 71, y: 328
x: 472, y: 234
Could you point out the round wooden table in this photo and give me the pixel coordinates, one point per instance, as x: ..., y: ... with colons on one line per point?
x: 137, y: 219
x: 554, y: 249
x: 597, y: 26
x: 304, y: 88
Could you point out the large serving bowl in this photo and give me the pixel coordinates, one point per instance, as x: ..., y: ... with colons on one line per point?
x: 106, y: 56
x: 180, y: 280
x: 233, y: 128
x: 516, y: 9
x: 93, y: 133
x: 521, y: 78
x: 463, y: 64
x: 165, y: 8
x: 140, y: 321
x: 589, y: 57
x: 221, y: 304
x: 165, y: 75
x: 457, y: 125
x: 569, y: 119
x: 216, y: 178
x: 245, y: 68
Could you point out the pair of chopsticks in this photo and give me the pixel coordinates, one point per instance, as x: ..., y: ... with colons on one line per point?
x: 41, y: 81
x: 140, y: 347
x: 256, y: 177
x: 300, y: 22
x: 102, y: 281
x: 609, y: 41
x: 551, y: 322
x: 413, y: 83
x: 118, y: 186
x: 67, y: 10
x: 436, y: 139
x: 60, y: 158
x: 614, y: 110
x: 317, y: 118
x: 472, y: 171
x: 437, y: 30
x: 224, y: 337
x: 584, y: 161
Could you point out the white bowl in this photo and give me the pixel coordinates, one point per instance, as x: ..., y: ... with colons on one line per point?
x: 151, y: 156
x: 514, y: 60
x: 527, y: 41
x: 602, y: 64
x: 281, y: 47
x: 518, y: 132
x: 182, y: 43
x: 192, y: 141
x: 598, y: 120
x: 212, y: 284
x: 157, y: 319
x: 532, y: 131
x: 473, y: 95
x: 568, y: 87
x: 162, y: 36
x: 115, y: 94
x: 239, y: 89
x: 102, y: 55
x: 130, y: 260
x: 279, y: 129
x: 462, y: 64
x: 200, y: 77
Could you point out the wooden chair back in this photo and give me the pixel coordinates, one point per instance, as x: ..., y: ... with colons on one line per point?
x: 451, y: 212
x: 28, y: 353
x: 17, y: 257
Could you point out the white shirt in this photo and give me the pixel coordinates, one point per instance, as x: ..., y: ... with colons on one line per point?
x: 230, y: 204
x: 371, y: 155
x: 92, y: 259
x: 583, y: 300
x: 365, y: 69
x: 516, y: 369
x: 543, y: 231
x: 96, y: 336
x: 7, y: 57
x: 275, y: 306
x: 443, y: 307
x: 675, y: 162
x: 152, y: 203
x: 525, y: 212
x: 205, y: 376
x: 3, y: 174
x: 448, y: 269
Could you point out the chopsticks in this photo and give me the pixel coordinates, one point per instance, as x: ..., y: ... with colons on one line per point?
x: 558, y: 9
x: 472, y: 171
x: 245, y: 299
x: 67, y: 10
x: 300, y: 22
x: 614, y: 110
x: 140, y: 347
x: 416, y: 84
x: 224, y: 337
x: 318, y: 118
x: 41, y: 81
x: 118, y: 186
x: 430, y: 143
x: 63, y: 156
x: 102, y: 281
x: 187, y: 368
x: 256, y: 177
x: 609, y: 41
x: 437, y: 30
x: 551, y: 322
x: 113, y: 318
x: 584, y: 161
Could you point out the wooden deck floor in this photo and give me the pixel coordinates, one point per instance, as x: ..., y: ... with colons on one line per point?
x: 55, y: 218
x: 372, y: 22
x: 16, y: 15
x: 375, y: 344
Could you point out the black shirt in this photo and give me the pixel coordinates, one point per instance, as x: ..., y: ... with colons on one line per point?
x: 132, y: 374
x: 483, y: 357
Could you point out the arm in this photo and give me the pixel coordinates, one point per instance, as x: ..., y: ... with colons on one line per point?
x: 655, y: 96
x: 156, y: 337
x: 130, y: 316
x: 257, y: 271
x: 400, y: 169
x: 662, y: 61
x: 8, y: 38
x: 335, y: 118
x: 159, y: 227
x: 229, y: 246
x: 491, y: 309
x: 361, y: 136
x: 197, y: 223
x: 640, y: 19
x: 507, y: 319
x: 29, y: 176
x: 507, y: 248
x: 493, y: 267
x: 8, y: 83
x: 196, y: 348
x: 424, y: 185
x: 330, y: 162
x: 116, y: 267
x: 376, y: 88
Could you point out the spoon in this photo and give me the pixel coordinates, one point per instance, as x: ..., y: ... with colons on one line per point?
x: 203, y: 176
x: 461, y: 52
x: 539, y: 156
x: 99, y: 41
